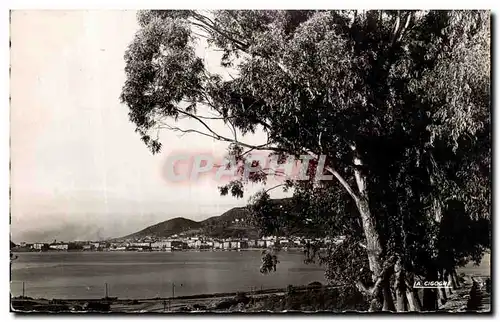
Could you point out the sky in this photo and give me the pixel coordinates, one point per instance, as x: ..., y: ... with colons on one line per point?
x: 78, y: 169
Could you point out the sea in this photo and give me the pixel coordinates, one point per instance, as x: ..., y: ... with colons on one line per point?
x: 138, y: 275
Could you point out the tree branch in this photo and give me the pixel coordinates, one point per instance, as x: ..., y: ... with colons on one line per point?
x: 384, y: 275
x: 339, y: 177
x: 214, y: 135
x: 208, y: 25
x: 277, y: 186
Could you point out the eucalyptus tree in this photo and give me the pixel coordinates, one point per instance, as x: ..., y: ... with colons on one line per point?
x: 381, y: 94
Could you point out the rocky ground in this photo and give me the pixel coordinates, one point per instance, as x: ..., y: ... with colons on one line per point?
x: 474, y: 295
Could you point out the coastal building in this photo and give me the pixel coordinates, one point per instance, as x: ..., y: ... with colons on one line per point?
x: 217, y: 244
x: 162, y: 245
x: 59, y: 246
x: 191, y: 243
x: 261, y: 243
x: 141, y: 244
x: 226, y: 245
x: 118, y: 248
x: 39, y: 246
x: 178, y: 244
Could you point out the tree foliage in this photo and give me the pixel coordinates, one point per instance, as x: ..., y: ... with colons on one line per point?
x: 398, y: 101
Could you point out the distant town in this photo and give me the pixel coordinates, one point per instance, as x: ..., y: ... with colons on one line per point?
x: 230, y: 231
x: 174, y: 243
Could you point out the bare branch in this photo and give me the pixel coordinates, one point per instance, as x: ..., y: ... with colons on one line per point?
x: 210, y: 26
x: 396, y: 28
x: 212, y: 134
x: 278, y: 173
x: 234, y: 130
x: 339, y: 177
x: 408, y: 19
x: 277, y: 186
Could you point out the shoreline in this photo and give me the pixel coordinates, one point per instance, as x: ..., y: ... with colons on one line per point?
x: 460, y: 301
x: 19, y: 304
x: 154, y: 251
x: 190, y: 297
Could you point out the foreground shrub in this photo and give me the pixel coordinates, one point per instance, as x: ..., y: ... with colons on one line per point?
x: 338, y: 300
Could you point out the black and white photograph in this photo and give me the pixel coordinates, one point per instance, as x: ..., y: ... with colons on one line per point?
x: 250, y: 161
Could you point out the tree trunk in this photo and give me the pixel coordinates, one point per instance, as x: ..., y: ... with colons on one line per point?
x: 401, y: 303
x: 430, y: 294
x: 442, y: 296
x: 455, y: 278
x: 375, y: 305
x: 442, y: 291
x: 452, y: 280
x: 447, y: 279
x: 380, y: 291
x: 430, y: 299
x: 373, y: 241
x: 387, y: 296
x: 374, y: 251
x: 400, y: 287
x: 373, y: 245
x: 414, y: 304
x: 448, y: 291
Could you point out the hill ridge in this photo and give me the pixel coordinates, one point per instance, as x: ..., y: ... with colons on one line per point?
x: 232, y: 223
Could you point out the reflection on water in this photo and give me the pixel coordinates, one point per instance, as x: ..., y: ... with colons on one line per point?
x: 146, y: 275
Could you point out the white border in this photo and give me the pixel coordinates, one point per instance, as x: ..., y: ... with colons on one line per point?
x: 186, y: 4
x: 255, y: 4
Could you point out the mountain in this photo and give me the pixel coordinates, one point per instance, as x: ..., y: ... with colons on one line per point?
x: 233, y: 223
x: 228, y: 217
x: 239, y: 213
x: 167, y: 228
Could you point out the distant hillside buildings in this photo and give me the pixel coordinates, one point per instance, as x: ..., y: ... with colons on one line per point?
x: 178, y: 243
